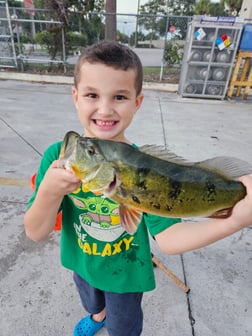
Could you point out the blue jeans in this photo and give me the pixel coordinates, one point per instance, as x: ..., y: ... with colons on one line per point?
x: 124, y: 315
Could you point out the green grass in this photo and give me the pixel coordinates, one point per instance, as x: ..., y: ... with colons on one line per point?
x: 156, y: 70
x: 150, y: 73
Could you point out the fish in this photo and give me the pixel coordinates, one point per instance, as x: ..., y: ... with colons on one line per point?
x: 152, y: 179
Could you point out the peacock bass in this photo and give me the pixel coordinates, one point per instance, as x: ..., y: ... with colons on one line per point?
x: 153, y: 180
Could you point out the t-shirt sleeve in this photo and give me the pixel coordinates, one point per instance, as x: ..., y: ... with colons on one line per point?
x: 51, y: 154
x: 157, y: 224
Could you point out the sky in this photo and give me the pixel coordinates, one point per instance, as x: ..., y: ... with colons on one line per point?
x: 127, y: 24
x: 128, y: 6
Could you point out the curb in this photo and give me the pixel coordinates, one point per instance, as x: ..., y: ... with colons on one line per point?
x: 36, y: 78
x: 51, y: 79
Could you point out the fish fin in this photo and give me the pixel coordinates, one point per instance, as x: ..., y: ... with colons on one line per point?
x: 229, y: 167
x: 224, y: 213
x: 130, y: 218
x: 68, y: 144
x: 226, y: 166
x: 162, y: 153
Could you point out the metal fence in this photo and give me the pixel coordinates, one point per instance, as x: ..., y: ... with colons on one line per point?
x: 20, y: 48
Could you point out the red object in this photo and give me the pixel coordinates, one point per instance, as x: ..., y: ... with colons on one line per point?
x: 172, y: 29
x: 58, y: 222
x: 29, y: 6
x: 224, y: 37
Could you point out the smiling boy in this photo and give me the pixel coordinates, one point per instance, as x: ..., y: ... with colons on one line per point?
x: 112, y: 269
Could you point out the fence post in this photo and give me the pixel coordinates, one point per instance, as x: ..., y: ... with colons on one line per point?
x: 165, y: 40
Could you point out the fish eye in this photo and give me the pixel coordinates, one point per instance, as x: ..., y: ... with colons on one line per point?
x: 91, y: 150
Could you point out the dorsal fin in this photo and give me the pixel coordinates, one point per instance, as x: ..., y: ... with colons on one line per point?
x: 227, y: 166
x: 162, y: 153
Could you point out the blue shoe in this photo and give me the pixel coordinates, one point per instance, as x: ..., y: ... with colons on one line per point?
x: 88, y: 327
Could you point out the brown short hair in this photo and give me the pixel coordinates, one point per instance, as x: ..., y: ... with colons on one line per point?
x: 113, y: 54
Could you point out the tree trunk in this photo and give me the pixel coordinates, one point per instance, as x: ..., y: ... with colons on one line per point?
x: 110, y: 21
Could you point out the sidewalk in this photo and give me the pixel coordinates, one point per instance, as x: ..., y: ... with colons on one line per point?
x: 38, y: 295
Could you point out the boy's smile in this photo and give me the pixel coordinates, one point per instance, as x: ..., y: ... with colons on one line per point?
x: 106, y: 100
x: 105, y: 124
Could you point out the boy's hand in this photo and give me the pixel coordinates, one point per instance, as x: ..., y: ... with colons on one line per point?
x: 187, y: 236
x: 242, y: 211
x: 59, y: 181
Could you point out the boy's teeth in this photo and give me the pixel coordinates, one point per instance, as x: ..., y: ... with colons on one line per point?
x: 104, y: 123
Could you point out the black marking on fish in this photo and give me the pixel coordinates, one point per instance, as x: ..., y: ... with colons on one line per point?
x: 211, y: 191
x: 169, y: 208
x: 152, y: 203
x: 135, y: 199
x: 157, y: 206
x: 141, y: 175
x: 141, y: 185
x: 142, y: 171
x: 176, y: 190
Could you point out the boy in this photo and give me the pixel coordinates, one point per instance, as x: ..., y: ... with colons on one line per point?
x: 111, y: 268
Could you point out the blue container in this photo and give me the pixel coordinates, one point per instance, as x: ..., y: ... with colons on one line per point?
x: 246, y: 38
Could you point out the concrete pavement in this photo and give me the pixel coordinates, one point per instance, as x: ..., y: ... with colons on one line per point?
x: 37, y: 295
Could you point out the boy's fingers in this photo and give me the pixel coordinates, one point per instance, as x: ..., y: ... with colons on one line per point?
x: 58, y: 164
x: 246, y: 180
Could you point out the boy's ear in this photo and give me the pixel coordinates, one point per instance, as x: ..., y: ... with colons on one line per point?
x: 75, y: 95
x: 139, y: 100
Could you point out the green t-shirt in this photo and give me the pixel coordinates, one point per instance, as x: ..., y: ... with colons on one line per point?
x: 96, y: 246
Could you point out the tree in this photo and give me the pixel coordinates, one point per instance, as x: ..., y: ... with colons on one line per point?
x: 218, y: 9
x: 181, y: 7
x: 168, y: 13
x: 61, y: 9
x: 88, y: 22
x: 149, y: 16
x: 203, y: 7
x: 206, y: 7
x: 90, y: 26
x: 14, y: 3
x: 140, y: 37
x: 234, y: 6
x: 110, y: 20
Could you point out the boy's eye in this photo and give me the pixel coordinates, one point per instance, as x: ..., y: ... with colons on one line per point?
x: 120, y: 97
x: 92, y: 95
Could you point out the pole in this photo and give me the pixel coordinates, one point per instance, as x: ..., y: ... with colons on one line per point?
x: 172, y: 276
x: 165, y: 40
x: 138, y: 5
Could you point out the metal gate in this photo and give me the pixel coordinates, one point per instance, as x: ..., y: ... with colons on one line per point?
x: 8, y: 57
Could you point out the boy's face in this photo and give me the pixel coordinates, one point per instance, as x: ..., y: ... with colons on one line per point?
x: 106, y: 101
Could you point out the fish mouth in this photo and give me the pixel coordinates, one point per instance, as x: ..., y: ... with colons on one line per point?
x: 110, y: 190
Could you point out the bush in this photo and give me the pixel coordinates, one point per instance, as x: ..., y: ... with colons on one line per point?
x: 52, y: 41
x: 23, y: 38
x: 173, y: 53
x: 75, y: 41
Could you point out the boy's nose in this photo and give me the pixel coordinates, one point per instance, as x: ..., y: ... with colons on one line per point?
x: 105, y: 108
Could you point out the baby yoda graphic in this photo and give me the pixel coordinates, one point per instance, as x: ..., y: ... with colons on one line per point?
x: 101, y: 218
